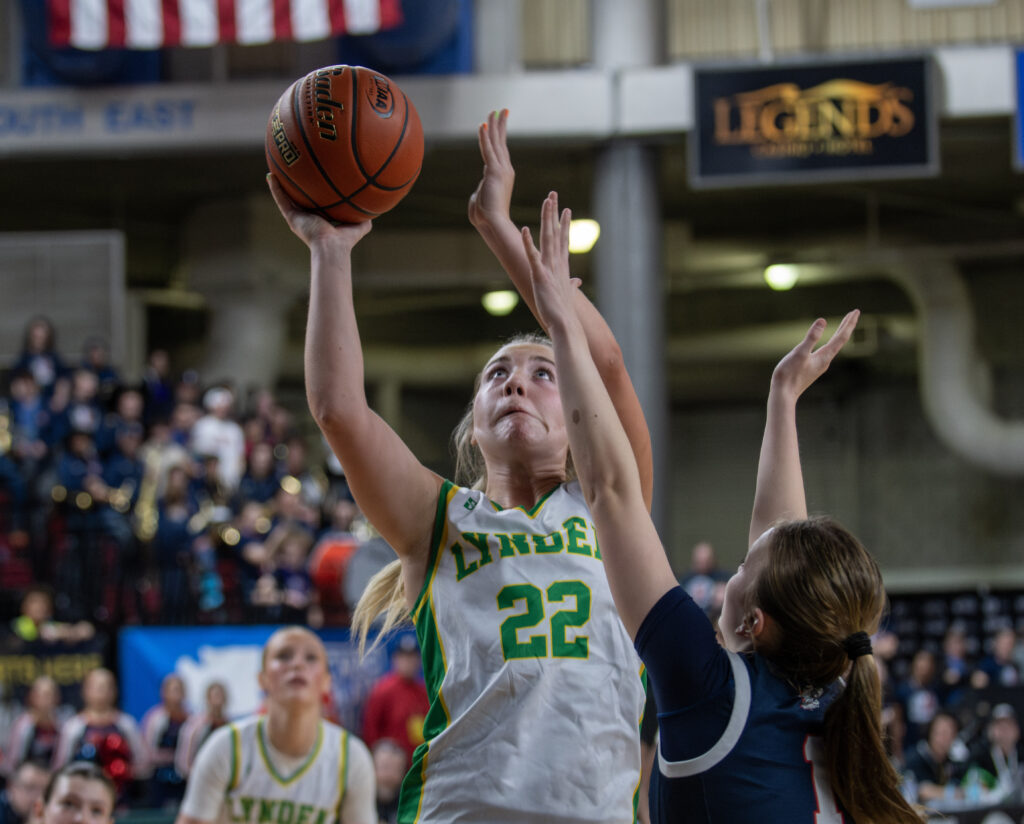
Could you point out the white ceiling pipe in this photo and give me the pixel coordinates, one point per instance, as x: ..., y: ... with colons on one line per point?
x: 952, y: 374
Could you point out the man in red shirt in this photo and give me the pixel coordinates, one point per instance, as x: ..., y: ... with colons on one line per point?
x: 398, y: 701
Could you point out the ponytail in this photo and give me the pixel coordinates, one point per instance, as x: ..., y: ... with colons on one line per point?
x: 384, y: 595
x: 862, y: 777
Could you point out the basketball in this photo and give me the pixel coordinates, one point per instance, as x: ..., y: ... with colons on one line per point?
x: 345, y: 142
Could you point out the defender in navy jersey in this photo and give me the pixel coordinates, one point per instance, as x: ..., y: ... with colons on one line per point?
x: 783, y: 725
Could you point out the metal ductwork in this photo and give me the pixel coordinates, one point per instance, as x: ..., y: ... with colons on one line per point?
x: 953, y: 379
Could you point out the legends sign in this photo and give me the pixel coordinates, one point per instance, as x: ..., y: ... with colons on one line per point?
x: 805, y: 123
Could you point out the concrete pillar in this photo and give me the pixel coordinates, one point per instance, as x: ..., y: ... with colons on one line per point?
x: 627, y: 264
x: 241, y: 256
x: 497, y: 33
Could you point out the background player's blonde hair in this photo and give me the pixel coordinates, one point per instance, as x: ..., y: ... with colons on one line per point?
x: 385, y: 592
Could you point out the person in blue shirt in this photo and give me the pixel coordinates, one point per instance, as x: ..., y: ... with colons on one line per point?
x: 784, y: 723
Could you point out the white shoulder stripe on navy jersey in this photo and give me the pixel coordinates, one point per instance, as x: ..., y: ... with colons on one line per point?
x: 733, y: 730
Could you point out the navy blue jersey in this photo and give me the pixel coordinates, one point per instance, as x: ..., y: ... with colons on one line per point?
x: 737, y: 743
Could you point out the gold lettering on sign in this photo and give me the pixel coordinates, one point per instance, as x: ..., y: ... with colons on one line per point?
x: 838, y: 117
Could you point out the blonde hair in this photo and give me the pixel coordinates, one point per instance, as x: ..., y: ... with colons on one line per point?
x: 384, y: 595
x: 385, y: 592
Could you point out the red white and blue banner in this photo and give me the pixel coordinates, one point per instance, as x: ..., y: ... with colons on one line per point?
x: 155, y: 24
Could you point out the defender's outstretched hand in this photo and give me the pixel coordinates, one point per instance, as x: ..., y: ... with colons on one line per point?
x: 549, y: 267
x: 493, y: 196
x: 804, y: 364
x: 310, y: 227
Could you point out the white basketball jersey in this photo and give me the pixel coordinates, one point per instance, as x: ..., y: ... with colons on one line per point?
x: 311, y: 794
x: 536, y: 691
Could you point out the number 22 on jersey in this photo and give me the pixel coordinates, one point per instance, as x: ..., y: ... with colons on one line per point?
x: 576, y: 614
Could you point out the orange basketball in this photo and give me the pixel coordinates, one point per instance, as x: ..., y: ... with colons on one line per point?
x: 345, y: 142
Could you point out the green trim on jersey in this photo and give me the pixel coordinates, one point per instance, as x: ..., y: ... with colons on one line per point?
x: 532, y: 511
x: 410, y: 801
x: 437, y: 541
x: 236, y: 757
x: 342, y: 775
x: 280, y: 779
x: 640, y: 725
x: 438, y: 717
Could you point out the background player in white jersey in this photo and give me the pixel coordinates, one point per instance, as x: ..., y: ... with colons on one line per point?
x: 289, y: 765
x: 526, y: 663
x: 785, y: 723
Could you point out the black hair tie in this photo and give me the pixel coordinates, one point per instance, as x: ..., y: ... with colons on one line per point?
x: 857, y: 644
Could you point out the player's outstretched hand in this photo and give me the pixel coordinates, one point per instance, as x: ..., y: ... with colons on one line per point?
x: 493, y: 196
x: 804, y: 364
x: 549, y: 266
x: 310, y: 227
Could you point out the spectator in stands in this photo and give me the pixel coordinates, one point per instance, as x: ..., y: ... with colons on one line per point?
x: 123, y: 468
x: 936, y: 773
x: 955, y: 668
x: 159, y: 453
x: 79, y: 793
x: 23, y: 791
x: 261, y: 479
x: 26, y: 463
x: 161, y: 729
x: 397, y: 703
x: 157, y: 386
x: 288, y: 547
x: 83, y: 412
x: 705, y: 580
x: 35, y: 733
x: 919, y: 695
x: 1000, y: 756
x: 183, y: 420
x: 313, y: 487
x: 35, y: 622
x: 999, y: 668
x: 216, y: 433
x: 39, y: 354
x: 101, y: 733
x: 96, y: 358
x: 329, y: 560
x: 251, y: 558
x: 172, y: 547
x: 199, y: 726
x: 127, y: 412
x: 390, y: 762
x: 30, y: 421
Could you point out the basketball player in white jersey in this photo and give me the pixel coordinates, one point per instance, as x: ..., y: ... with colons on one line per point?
x: 536, y: 693
x: 289, y: 765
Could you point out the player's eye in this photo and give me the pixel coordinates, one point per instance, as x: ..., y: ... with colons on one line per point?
x: 496, y: 372
x: 545, y: 373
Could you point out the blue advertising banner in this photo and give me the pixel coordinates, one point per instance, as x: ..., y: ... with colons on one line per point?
x: 804, y: 123
x: 232, y: 655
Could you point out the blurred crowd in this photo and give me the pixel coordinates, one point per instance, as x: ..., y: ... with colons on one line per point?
x: 165, y: 500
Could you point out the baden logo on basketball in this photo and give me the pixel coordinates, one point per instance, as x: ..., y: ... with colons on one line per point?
x: 325, y: 107
x: 380, y: 97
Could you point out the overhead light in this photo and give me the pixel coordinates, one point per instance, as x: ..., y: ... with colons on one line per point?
x: 500, y: 302
x: 583, y: 234
x: 781, y: 276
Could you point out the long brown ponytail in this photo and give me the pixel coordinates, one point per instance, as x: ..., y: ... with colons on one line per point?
x: 821, y: 586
